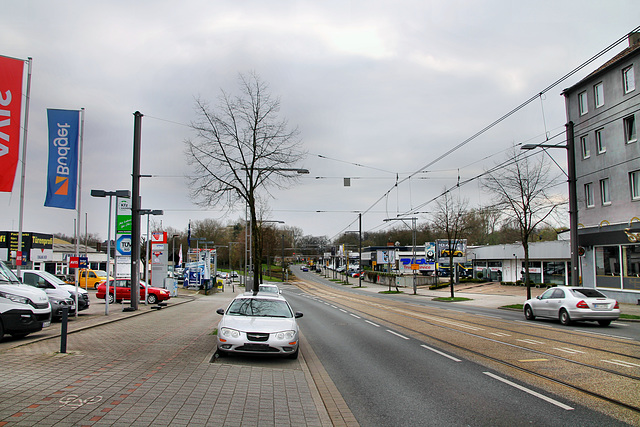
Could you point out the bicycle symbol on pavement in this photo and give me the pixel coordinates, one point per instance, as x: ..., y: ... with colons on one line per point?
x: 75, y: 401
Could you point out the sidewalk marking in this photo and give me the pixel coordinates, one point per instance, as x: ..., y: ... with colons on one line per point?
x: 531, y: 392
x: 441, y: 353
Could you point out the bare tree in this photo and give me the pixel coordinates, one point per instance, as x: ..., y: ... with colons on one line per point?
x: 240, y: 147
x: 522, y: 188
x: 449, y: 220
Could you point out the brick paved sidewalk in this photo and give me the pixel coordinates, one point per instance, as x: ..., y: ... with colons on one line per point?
x: 153, y: 369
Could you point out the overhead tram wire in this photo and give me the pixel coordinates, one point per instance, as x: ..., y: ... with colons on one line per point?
x: 509, y: 114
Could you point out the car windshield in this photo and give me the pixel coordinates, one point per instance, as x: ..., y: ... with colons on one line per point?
x: 259, y: 307
x: 51, y: 278
x: 589, y: 293
x: 101, y: 273
x: 272, y: 289
x: 6, y: 275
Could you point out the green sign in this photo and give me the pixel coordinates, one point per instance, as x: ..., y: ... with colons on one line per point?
x: 123, y: 216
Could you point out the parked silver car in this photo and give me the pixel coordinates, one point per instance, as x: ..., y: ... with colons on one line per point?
x: 573, y: 303
x: 258, y: 324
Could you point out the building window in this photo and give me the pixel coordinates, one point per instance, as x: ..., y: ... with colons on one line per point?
x: 584, y: 146
x: 582, y: 103
x: 588, y: 194
x: 628, y: 80
x: 630, y: 129
x: 634, y: 182
x: 598, y: 94
x: 608, y: 266
x: 605, y: 197
x: 600, y: 145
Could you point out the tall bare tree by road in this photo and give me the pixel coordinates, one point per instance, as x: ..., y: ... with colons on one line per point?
x: 242, y: 146
x: 523, y: 189
x: 449, y: 220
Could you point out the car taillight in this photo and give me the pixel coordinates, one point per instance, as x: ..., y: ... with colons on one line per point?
x: 582, y: 304
x: 617, y: 305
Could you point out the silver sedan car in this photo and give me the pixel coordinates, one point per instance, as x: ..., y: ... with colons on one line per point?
x: 573, y: 303
x: 260, y: 323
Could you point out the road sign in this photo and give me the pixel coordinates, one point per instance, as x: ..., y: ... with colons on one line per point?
x: 123, y: 244
x: 74, y: 262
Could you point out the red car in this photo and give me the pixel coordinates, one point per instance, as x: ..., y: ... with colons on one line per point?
x: 123, y: 292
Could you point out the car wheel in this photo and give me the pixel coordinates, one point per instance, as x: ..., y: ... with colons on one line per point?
x: 604, y: 322
x: 152, y: 299
x: 528, y: 313
x: 565, y: 319
x: 111, y: 299
x: 294, y: 355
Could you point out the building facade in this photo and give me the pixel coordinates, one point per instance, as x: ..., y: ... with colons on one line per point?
x: 603, y: 110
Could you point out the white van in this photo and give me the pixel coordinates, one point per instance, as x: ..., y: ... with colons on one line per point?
x: 48, y: 283
x: 23, y: 308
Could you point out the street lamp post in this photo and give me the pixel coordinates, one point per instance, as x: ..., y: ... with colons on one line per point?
x: 148, y: 212
x: 573, y: 199
x: 110, y: 194
x: 248, y: 222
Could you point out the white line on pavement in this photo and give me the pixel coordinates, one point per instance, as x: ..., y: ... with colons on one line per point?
x: 441, y: 353
x: 531, y: 392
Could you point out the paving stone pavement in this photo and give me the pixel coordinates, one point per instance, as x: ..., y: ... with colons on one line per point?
x: 153, y: 369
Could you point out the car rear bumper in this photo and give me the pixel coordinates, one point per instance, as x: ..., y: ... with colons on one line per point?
x: 594, y: 314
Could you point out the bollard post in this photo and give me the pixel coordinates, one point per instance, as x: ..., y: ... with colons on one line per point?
x: 63, y: 330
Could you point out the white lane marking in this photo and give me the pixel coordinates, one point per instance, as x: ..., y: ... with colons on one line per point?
x: 618, y: 324
x: 499, y: 334
x: 397, y: 334
x: 371, y: 323
x: 622, y: 363
x: 569, y: 350
x: 344, y: 311
x: 530, y: 341
x: 350, y: 314
x: 332, y: 306
x: 441, y: 353
x: 484, y: 315
x: 531, y: 392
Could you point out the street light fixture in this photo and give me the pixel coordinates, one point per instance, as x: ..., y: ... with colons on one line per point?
x: 573, y: 198
x: 102, y: 193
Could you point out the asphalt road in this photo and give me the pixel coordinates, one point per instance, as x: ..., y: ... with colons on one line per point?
x: 388, y: 378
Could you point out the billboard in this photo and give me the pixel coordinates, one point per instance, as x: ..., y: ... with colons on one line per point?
x: 458, y: 247
x: 11, y: 76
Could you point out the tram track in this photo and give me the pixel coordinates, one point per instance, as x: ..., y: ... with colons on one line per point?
x: 615, y: 384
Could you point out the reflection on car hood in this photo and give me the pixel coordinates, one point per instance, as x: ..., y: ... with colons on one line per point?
x: 258, y: 324
x: 72, y: 288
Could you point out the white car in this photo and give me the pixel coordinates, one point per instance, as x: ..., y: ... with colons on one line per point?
x: 567, y: 304
x: 258, y: 324
x: 47, y: 282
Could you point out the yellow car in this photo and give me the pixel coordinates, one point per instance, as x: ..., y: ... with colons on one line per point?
x: 91, y: 278
x: 445, y: 253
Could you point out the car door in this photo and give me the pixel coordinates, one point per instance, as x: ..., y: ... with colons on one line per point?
x: 540, y: 304
x: 142, y: 291
x: 555, y: 302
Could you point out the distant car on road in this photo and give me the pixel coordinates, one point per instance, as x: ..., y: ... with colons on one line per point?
x: 123, y: 292
x: 258, y: 324
x: 568, y: 304
x: 273, y: 289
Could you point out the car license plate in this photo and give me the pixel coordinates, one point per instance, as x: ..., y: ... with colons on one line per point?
x: 46, y: 324
x: 601, y: 306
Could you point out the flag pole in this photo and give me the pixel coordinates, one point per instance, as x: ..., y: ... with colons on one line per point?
x: 79, y: 205
x: 24, y: 165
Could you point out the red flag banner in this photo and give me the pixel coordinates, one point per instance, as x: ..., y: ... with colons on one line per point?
x: 11, y: 71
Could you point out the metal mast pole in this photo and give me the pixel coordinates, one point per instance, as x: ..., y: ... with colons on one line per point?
x: 24, y: 164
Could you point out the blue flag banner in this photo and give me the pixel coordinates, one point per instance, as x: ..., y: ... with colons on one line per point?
x: 62, y: 176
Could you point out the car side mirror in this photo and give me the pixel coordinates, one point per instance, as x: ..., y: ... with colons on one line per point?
x: 298, y: 314
x: 220, y: 311
x: 538, y: 297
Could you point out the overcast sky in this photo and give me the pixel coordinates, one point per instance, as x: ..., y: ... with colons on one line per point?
x: 378, y: 90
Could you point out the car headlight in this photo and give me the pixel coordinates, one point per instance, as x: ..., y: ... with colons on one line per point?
x: 229, y: 333
x: 285, y: 335
x: 15, y: 298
